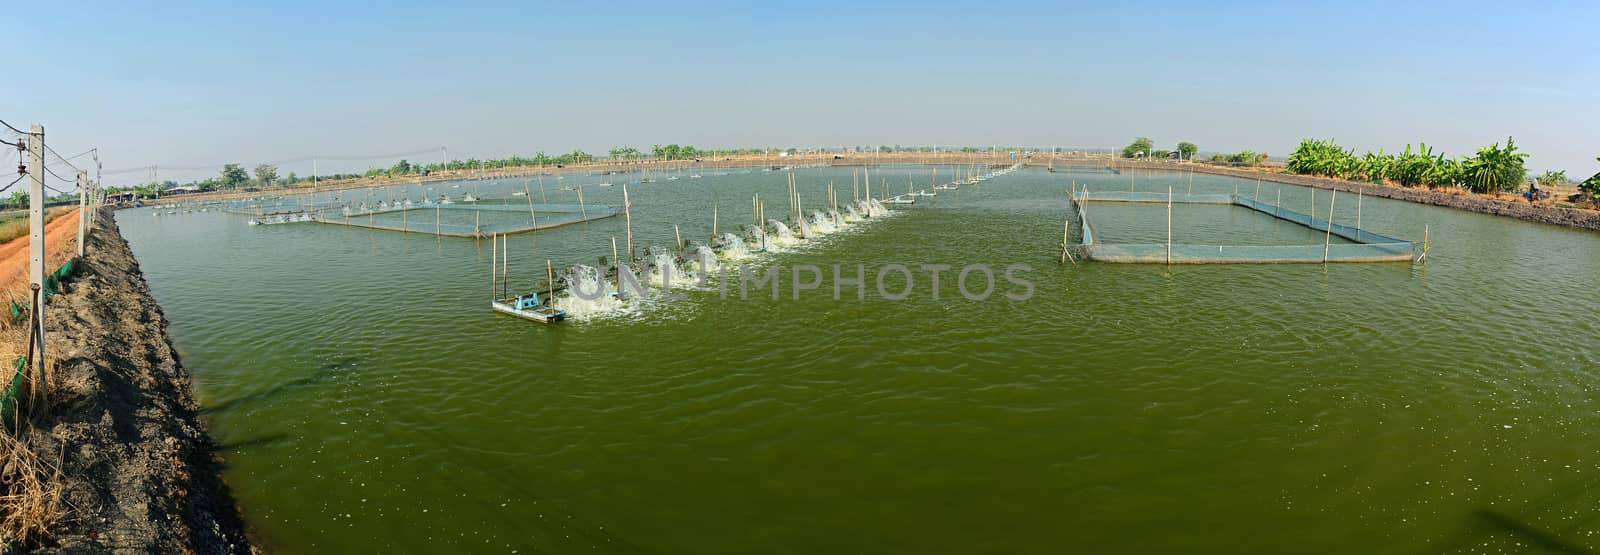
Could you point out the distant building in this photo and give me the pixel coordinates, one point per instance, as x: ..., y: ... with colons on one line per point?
x: 184, y: 190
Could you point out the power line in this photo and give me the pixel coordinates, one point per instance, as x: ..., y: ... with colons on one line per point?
x: 19, y: 131
x: 79, y: 155
x: 14, y: 181
x: 59, y: 158
x: 53, y: 172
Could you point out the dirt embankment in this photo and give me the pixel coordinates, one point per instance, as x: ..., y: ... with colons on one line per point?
x: 140, y: 475
x: 1506, y: 206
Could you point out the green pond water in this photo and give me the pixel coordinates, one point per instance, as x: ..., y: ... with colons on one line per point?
x: 369, y: 401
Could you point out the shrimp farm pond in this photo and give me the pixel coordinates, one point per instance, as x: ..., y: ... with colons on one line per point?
x: 368, y: 400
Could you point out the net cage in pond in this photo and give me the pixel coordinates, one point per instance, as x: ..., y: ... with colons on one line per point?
x: 1364, y: 245
x: 451, y: 220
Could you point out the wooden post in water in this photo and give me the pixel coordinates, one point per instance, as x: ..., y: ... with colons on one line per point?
x: 627, y: 210
x: 1279, y: 207
x: 1257, y: 198
x: 713, y: 223
x: 494, y: 280
x: 584, y: 210
x: 549, y: 281
x: 532, y: 218
x: 616, y: 262
x: 477, y: 223
x: 1327, y: 239
x: 505, y: 265
x: 1359, y: 192
x: 403, y: 228
x: 436, y: 220
x: 1424, y: 257
x: 679, y: 236
x: 1169, y: 225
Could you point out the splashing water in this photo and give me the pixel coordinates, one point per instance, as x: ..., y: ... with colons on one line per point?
x: 733, y: 247
x: 877, y: 210
x: 665, y: 264
x: 756, y: 239
x: 780, y: 233
x: 704, y: 260
x: 589, y: 295
x: 850, y: 214
x: 821, y: 223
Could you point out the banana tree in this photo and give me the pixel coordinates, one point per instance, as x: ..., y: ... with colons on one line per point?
x: 1591, y: 186
x: 1495, y: 169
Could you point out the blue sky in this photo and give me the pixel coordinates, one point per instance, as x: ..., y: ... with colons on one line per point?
x: 191, y: 84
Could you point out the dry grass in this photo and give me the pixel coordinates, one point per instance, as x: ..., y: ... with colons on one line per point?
x: 30, y: 495
x: 16, y: 226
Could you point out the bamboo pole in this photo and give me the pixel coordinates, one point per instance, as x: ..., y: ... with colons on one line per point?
x: 627, y: 209
x: 713, y: 223
x: 1327, y: 240
x: 616, y: 261
x: 533, y: 218
x: 1169, y: 225
x: 494, y: 280
x: 679, y: 236
x: 1424, y: 257
x: 867, y: 183
x: 549, y: 280
x: 505, y: 265
x: 1359, y: 192
x: 582, y: 209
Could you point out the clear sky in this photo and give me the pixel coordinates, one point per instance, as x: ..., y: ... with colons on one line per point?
x: 187, y: 84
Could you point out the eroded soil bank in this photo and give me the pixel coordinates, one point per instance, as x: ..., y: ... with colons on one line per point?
x: 140, y: 475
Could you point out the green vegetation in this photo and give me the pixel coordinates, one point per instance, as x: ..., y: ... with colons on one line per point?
x: 1591, y: 186
x: 234, y: 176
x: 674, y: 152
x: 1552, y: 178
x: 1186, y: 150
x: 1493, y: 169
x: 1242, y: 158
x: 266, y: 174
x: 1139, y: 147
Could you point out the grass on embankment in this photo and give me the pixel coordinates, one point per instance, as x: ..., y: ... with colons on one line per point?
x: 16, y: 225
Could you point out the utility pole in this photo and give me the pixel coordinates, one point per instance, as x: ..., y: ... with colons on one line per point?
x: 36, y: 248
x: 83, y: 206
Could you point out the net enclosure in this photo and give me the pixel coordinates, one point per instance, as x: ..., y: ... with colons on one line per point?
x: 1363, y: 245
x: 449, y: 220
